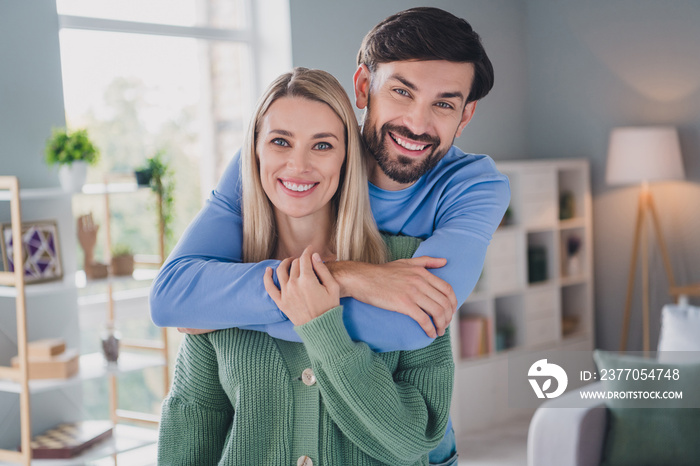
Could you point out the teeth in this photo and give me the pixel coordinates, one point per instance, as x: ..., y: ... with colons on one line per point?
x: 298, y: 187
x: 408, y: 145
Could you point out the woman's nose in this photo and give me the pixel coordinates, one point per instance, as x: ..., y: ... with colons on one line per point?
x: 299, y: 160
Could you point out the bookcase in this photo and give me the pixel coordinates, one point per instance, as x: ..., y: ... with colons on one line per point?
x: 535, y: 291
x: 30, y: 312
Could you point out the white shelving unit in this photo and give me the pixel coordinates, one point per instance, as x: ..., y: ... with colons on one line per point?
x: 58, y: 300
x: 534, y: 294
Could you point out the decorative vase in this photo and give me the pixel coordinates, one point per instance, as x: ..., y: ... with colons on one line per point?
x: 72, y: 176
x: 123, y: 265
x: 110, y: 343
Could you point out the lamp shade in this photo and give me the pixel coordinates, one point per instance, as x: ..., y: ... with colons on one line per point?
x: 643, y: 153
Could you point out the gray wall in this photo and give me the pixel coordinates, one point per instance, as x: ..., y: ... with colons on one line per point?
x: 31, y: 103
x: 599, y: 64
x: 31, y: 93
x: 566, y: 73
x: 327, y: 35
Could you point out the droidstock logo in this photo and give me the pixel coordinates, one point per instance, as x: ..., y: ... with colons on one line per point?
x: 546, y: 371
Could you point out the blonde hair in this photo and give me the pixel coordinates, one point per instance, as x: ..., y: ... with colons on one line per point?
x: 355, y: 234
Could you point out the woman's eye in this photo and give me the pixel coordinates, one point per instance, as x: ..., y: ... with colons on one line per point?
x: 280, y: 142
x: 322, y: 146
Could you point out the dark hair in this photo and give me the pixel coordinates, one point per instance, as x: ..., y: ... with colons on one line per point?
x: 427, y: 33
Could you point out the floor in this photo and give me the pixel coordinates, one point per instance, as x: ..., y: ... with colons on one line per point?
x: 504, y: 445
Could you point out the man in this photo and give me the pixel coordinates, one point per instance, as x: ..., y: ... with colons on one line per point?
x: 420, y: 74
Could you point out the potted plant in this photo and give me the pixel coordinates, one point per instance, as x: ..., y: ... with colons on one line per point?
x: 122, y: 260
x: 162, y: 183
x: 72, y: 151
x: 144, y: 174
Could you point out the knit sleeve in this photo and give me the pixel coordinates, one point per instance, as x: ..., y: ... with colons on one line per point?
x: 396, y: 417
x: 196, y: 414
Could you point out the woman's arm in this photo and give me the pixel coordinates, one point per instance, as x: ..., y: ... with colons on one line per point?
x: 194, y: 422
x: 396, y: 417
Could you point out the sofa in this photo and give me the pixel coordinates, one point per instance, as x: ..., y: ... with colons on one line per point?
x: 599, y: 432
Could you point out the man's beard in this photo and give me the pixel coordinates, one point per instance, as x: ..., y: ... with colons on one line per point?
x: 402, y: 169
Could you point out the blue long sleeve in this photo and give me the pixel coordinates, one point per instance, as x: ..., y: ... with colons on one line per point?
x: 455, y: 208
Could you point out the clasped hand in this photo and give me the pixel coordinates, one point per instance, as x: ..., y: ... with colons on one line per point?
x: 307, y: 288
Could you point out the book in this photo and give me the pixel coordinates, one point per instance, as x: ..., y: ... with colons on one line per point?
x: 69, y: 439
x: 475, y: 336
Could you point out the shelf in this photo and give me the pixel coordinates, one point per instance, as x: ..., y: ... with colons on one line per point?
x: 124, y: 439
x: 35, y: 194
x: 111, y: 188
x: 92, y: 366
x: 578, y: 222
x: 574, y: 280
x: 38, y: 289
x: 139, y: 275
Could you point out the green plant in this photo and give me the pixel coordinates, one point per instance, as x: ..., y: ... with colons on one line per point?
x: 163, y: 184
x: 120, y: 250
x: 65, y: 147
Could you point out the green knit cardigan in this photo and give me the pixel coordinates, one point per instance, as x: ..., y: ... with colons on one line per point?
x: 239, y: 398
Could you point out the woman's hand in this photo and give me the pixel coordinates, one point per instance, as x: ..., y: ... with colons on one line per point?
x: 307, y: 289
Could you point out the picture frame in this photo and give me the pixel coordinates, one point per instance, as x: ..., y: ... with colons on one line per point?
x: 41, y: 250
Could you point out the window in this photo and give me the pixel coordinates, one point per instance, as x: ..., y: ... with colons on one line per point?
x: 179, y: 76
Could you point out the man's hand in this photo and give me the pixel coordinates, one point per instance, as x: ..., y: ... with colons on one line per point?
x: 404, y: 286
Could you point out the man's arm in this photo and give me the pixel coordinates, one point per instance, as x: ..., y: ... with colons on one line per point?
x: 465, y: 219
x: 203, y: 284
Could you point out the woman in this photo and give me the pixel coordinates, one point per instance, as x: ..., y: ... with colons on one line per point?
x: 243, y: 397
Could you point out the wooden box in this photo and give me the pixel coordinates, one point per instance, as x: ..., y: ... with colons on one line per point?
x: 45, y: 348
x: 63, y: 366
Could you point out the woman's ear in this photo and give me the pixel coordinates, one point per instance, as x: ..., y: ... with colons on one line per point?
x: 361, y: 81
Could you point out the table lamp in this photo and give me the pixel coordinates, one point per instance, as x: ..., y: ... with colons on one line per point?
x: 641, y: 155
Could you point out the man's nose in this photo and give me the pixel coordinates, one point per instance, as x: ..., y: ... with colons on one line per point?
x: 418, y: 119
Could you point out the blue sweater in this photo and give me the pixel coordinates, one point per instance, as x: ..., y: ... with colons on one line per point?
x: 455, y: 207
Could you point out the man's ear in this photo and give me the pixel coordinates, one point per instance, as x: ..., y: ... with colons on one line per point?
x: 361, y: 82
x: 467, y: 115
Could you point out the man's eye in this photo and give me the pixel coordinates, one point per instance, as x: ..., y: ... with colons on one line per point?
x: 444, y: 105
x: 322, y: 146
x: 402, y: 92
x: 280, y: 142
